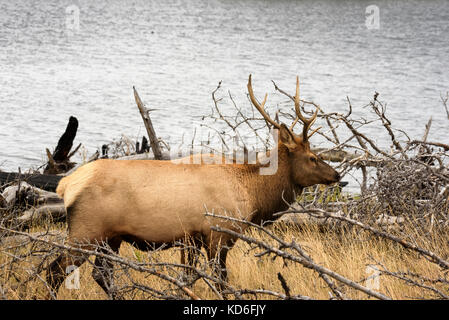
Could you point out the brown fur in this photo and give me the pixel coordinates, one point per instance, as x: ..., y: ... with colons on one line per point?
x: 148, y: 201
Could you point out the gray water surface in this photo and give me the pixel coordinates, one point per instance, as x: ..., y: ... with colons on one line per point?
x: 176, y: 52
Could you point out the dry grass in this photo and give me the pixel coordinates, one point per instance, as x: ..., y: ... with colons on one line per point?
x: 345, y: 251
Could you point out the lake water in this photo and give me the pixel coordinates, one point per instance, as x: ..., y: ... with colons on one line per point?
x: 176, y: 52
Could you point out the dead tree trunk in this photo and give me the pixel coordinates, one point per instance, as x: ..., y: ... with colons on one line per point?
x: 154, y: 142
x: 59, y: 161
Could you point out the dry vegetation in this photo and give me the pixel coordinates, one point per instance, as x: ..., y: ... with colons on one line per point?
x: 394, y: 234
x: 404, y: 274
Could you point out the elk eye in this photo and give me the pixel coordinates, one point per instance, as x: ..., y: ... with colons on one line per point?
x: 313, y: 159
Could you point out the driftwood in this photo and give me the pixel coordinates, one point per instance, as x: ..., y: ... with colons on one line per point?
x: 144, y: 112
x: 59, y: 161
x: 43, y: 181
x: 54, y: 212
x: 342, y: 156
x: 304, y: 219
x: 44, y: 204
x: 36, y: 195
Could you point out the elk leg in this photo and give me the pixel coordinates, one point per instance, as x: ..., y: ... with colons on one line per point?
x: 104, y: 269
x: 221, y: 259
x: 218, y: 252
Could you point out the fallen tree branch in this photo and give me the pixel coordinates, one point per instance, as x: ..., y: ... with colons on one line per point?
x: 154, y: 142
x: 436, y: 144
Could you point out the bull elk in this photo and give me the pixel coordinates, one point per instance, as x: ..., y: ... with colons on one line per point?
x: 145, y: 202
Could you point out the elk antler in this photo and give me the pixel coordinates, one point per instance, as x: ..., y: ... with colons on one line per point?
x: 307, y: 122
x: 260, y: 107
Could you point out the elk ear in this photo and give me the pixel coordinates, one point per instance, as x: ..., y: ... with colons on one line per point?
x: 287, y: 138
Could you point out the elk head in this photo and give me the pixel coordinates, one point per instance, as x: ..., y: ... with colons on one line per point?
x: 306, y: 168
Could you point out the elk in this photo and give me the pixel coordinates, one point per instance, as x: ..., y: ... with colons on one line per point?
x: 154, y: 202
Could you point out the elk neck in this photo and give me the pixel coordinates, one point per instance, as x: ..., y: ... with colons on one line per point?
x: 268, y: 194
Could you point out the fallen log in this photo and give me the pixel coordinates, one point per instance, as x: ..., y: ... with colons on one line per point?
x: 46, y: 182
x: 54, y: 212
x: 304, y: 219
x: 32, y: 195
x: 341, y: 155
x: 45, y: 205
